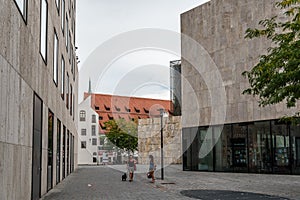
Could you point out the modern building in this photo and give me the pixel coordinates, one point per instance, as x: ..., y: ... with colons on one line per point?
x: 175, y: 87
x: 214, y: 55
x: 38, y: 82
x: 88, y: 137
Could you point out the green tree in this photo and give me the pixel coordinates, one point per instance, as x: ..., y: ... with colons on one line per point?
x: 276, y: 77
x: 123, y: 134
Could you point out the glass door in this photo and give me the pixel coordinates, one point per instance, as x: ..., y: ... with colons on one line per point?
x: 239, y: 148
x: 281, y: 148
x: 260, y: 157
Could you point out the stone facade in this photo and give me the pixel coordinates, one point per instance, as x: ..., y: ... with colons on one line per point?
x: 149, y: 140
x: 214, y: 55
x: 24, y: 75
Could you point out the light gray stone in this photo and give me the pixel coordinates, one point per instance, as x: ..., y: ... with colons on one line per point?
x: 149, y: 142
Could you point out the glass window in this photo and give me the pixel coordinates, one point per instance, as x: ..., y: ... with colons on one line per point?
x: 71, y: 100
x: 69, y: 47
x: 73, y: 106
x: 68, y: 91
x: 94, y: 141
x: 67, y: 33
x: 203, y: 150
x: 93, y: 130
x: 74, y: 31
x: 93, y: 118
x: 58, y: 144
x: 62, y: 77
x: 43, y: 30
x: 83, y: 144
x: 223, y: 155
x: 82, y: 115
x: 50, y: 150
x: 190, y: 146
x: 83, y: 131
x: 239, y: 147
x: 63, y: 15
x: 260, y: 157
x: 57, y: 5
x: 281, y: 147
x: 55, y: 58
x: 22, y: 6
x: 64, y: 153
x: 295, y: 149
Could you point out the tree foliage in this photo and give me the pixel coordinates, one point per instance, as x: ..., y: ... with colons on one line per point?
x: 122, y: 133
x: 276, y: 77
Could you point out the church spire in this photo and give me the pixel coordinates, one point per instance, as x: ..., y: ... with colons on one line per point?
x: 90, y: 86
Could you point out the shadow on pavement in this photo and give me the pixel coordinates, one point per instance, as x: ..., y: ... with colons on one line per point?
x: 227, y: 195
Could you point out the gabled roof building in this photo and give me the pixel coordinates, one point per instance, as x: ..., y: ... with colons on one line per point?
x: 111, y: 107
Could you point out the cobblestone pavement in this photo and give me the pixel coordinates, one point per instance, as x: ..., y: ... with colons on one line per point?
x: 286, y: 186
x: 104, y: 182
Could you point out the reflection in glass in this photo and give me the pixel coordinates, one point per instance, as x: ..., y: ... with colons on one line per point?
x: 205, y: 143
x: 260, y: 158
x: 43, y: 31
x: 281, y: 148
x: 55, y: 58
x: 62, y: 77
x: 223, y: 155
x: 22, y: 4
x: 295, y: 157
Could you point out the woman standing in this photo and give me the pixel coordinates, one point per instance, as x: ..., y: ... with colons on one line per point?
x: 131, y: 164
x: 152, y: 168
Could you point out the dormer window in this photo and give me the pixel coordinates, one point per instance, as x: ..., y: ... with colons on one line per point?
x: 97, y: 108
x: 146, y: 111
x: 110, y: 117
x: 137, y: 110
x: 107, y: 108
x: 117, y: 109
x: 127, y: 109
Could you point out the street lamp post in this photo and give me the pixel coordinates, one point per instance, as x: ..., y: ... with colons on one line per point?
x: 162, y: 112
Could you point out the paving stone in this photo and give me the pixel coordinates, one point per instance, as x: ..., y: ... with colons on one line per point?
x: 104, y: 182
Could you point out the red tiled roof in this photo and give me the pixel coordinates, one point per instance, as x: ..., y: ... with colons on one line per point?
x: 111, y: 106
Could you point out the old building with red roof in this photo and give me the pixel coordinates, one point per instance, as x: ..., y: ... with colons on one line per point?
x: 111, y: 107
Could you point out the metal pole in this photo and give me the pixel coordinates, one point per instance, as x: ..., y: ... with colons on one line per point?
x: 162, y: 145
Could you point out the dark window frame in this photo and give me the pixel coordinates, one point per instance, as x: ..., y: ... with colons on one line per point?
x: 44, y: 57
x: 83, y: 131
x: 83, y: 144
x: 55, y: 58
x: 25, y: 10
x: 58, y: 150
x: 63, y: 16
x: 82, y: 116
x: 50, y: 149
x: 93, y: 142
x: 93, y: 118
x: 57, y: 3
x: 62, y: 77
x: 93, y: 132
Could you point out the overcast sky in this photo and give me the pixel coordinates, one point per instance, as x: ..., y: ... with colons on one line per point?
x: 110, y: 26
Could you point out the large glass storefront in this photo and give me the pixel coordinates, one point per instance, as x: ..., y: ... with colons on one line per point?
x: 256, y: 147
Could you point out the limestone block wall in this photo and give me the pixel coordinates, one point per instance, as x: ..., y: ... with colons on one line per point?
x: 218, y: 27
x: 23, y: 74
x: 149, y: 140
